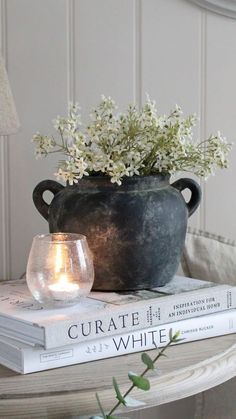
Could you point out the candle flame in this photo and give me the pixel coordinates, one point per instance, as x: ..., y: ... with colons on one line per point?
x: 59, y: 258
x: 64, y: 285
x: 63, y: 280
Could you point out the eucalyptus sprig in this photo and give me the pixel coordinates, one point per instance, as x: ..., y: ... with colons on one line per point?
x: 138, y: 380
x: 134, y: 143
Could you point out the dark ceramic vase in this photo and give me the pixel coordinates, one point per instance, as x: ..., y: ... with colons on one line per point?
x: 136, y: 231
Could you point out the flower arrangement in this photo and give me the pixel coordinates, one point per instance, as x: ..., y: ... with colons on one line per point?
x: 135, y: 143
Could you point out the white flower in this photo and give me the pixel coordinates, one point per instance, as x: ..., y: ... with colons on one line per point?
x: 69, y: 177
x: 134, y: 143
x: 43, y: 144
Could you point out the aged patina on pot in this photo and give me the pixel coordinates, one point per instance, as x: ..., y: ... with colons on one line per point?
x: 136, y: 231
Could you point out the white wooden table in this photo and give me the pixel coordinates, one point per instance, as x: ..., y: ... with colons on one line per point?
x: 61, y: 393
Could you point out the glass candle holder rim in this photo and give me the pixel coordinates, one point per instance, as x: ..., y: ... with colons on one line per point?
x: 48, y: 236
x: 59, y: 273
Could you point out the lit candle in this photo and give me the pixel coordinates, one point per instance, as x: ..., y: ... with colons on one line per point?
x: 63, y: 289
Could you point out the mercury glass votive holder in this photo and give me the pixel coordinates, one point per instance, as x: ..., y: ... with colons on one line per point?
x: 60, y: 269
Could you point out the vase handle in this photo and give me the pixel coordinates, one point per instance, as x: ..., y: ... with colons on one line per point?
x: 192, y: 185
x: 45, y: 185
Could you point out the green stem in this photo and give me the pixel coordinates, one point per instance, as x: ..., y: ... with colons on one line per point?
x: 55, y: 151
x: 62, y: 138
x: 119, y: 403
x: 142, y: 375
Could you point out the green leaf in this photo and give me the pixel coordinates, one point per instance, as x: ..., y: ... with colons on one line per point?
x: 139, y: 382
x: 100, y: 407
x: 131, y: 402
x: 162, y: 354
x: 118, y: 393
x: 147, y: 361
x: 176, y: 336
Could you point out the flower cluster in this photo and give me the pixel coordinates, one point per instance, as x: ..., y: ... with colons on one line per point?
x: 136, y: 143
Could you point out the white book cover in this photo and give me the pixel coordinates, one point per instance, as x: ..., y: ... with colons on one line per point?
x: 25, y: 358
x: 106, y: 314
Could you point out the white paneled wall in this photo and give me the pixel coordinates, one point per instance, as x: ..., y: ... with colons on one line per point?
x: 65, y: 50
x: 221, y: 113
x: 58, y: 51
x: 106, y: 58
x: 4, y: 170
x: 37, y: 43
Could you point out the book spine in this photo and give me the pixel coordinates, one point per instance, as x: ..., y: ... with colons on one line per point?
x: 141, y: 315
x: 37, y: 359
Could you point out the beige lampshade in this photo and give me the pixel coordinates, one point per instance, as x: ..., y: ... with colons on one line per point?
x: 9, y: 122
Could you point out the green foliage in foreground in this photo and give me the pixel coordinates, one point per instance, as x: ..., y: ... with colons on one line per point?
x: 138, y: 381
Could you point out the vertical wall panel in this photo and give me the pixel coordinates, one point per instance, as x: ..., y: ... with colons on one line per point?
x: 171, y: 57
x: 37, y: 50
x: 104, y: 51
x: 221, y: 114
x: 4, y: 166
x: 2, y: 201
x: 202, y: 105
x: 171, y: 53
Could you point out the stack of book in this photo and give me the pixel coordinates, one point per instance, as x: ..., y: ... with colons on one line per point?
x: 109, y: 324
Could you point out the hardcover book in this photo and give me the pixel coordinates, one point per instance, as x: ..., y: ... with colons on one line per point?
x: 107, y: 313
x: 25, y: 358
